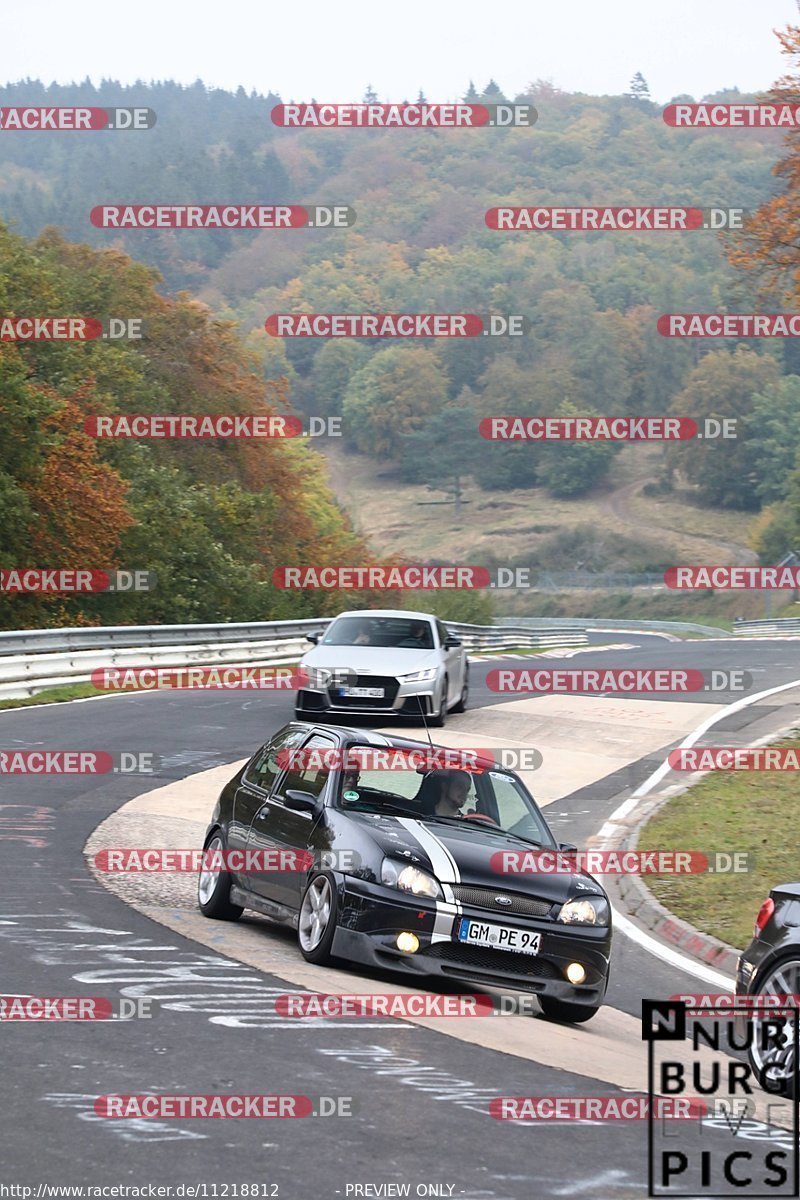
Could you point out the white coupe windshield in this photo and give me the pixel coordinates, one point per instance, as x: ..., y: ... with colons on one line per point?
x: 409, y: 633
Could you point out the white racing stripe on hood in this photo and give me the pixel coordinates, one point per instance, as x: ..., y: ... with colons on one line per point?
x: 445, y: 868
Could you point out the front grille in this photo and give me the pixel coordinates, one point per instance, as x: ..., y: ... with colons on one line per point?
x: 482, y: 897
x: 483, y: 958
x: 388, y: 683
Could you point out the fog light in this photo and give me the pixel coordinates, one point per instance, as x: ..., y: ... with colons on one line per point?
x: 576, y: 973
x: 408, y: 943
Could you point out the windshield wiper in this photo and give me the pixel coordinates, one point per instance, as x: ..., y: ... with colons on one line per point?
x: 484, y: 825
x: 384, y: 808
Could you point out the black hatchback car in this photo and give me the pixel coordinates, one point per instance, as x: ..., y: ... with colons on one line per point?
x: 398, y: 868
x: 768, y: 971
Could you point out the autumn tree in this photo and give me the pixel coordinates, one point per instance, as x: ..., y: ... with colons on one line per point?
x: 769, y: 248
x: 722, y: 385
x: 393, y: 394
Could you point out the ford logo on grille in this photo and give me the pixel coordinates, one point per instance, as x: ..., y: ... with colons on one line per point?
x: 506, y: 900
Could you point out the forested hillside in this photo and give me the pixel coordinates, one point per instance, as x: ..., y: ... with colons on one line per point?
x: 420, y: 243
x: 210, y: 518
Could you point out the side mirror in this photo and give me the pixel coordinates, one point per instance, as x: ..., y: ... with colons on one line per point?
x: 312, y: 637
x: 297, y: 801
x: 567, y: 848
x: 451, y: 642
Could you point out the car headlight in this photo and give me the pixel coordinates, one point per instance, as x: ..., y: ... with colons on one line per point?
x: 419, y: 676
x: 410, y: 879
x: 315, y: 678
x: 585, y: 911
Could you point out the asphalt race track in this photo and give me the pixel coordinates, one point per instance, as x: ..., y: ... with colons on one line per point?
x: 419, y: 1097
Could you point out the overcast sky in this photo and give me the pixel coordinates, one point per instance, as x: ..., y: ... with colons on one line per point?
x: 330, y: 49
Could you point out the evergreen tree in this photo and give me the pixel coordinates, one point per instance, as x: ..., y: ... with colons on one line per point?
x: 638, y: 89
x: 493, y: 93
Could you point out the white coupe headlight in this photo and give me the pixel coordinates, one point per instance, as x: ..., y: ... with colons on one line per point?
x: 410, y: 879
x: 585, y: 911
x: 419, y: 676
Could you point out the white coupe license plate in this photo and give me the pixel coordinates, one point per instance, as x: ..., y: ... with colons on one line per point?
x: 499, y: 937
x: 363, y: 693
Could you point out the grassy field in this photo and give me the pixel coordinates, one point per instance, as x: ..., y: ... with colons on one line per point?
x: 731, y: 811
x: 616, y: 528
x: 506, y: 524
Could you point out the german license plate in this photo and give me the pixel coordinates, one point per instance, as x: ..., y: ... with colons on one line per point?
x: 498, y: 937
x: 363, y: 693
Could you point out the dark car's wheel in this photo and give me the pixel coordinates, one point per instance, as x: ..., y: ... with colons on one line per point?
x: 461, y: 706
x: 772, y: 1057
x: 564, y: 1010
x: 317, y: 923
x: 440, y: 720
x: 214, y: 887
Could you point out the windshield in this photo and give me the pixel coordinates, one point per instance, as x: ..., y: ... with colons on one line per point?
x: 490, y: 800
x: 399, y: 632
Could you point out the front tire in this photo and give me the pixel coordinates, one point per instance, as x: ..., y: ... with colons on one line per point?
x: 440, y: 720
x: 564, y: 1010
x: 318, y: 918
x: 214, y: 887
x: 461, y: 706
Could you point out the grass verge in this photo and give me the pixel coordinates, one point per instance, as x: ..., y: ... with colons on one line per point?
x: 729, y: 811
x: 54, y: 695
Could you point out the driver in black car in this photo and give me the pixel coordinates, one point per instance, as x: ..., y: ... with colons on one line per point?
x: 350, y: 778
x: 453, y: 791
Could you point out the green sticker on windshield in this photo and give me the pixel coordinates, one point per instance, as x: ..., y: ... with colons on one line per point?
x: 351, y: 795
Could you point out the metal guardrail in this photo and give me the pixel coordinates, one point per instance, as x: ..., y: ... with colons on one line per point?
x: 33, y: 660
x: 40, y: 641
x: 622, y: 626
x: 780, y: 627
x: 599, y: 581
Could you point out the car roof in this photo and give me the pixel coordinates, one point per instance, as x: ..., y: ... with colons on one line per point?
x: 386, y: 612
x: 349, y: 736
